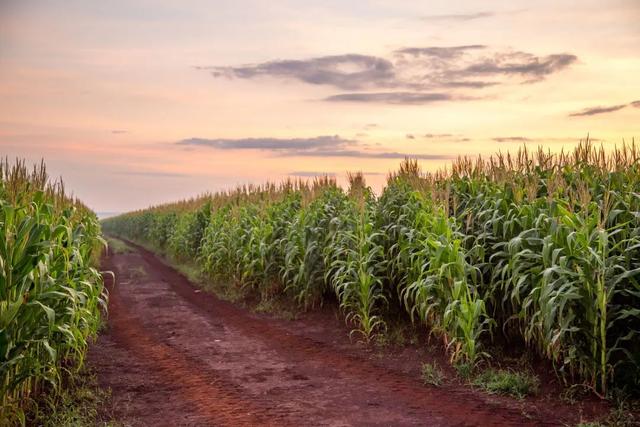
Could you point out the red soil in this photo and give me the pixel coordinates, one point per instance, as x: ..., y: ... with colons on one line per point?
x: 173, y: 355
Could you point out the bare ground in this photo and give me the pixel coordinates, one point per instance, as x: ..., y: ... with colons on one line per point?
x: 173, y: 355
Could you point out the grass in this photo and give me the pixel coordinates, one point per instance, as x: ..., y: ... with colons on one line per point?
x: 194, y: 274
x: 234, y: 294
x: 81, y: 404
x: 500, y: 381
x: 117, y: 246
x: 626, y: 413
x: 278, y: 307
x: 138, y: 272
x: 464, y: 370
x: 620, y: 416
x: 398, y: 333
x: 431, y: 374
x: 189, y: 270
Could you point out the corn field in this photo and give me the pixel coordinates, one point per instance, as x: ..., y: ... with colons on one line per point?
x: 538, y: 249
x: 50, y: 293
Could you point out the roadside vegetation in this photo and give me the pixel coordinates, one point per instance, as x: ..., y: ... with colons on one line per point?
x: 117, y: 246
x: 535, y: 249
x: 51, y: 294
x: 432, y: 374
x: 517, y: 384
x: 80, y: 403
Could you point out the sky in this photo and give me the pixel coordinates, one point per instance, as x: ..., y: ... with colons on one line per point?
x: 141, y: 102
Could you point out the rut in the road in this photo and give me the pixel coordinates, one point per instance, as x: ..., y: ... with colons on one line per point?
x: 199, y: 388
x: 198, y: 360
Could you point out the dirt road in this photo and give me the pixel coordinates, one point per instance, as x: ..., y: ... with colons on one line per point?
x: 173, y: 355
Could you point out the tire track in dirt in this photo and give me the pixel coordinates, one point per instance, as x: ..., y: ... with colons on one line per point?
x: 216, y: 402
x: 230, y: 367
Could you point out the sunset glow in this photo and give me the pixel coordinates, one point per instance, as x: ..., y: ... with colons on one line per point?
x: 138, y: 103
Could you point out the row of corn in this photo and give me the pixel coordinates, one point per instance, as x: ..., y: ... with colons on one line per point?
x: 538, y: 250
x: 51, y: 296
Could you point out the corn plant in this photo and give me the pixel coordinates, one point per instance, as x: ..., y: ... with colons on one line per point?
x: 356, y: 269
x: 304, y: 246
x: 50, y: 294
x: 442, y: 292
x: 541, y: 249
x: 185, y: 238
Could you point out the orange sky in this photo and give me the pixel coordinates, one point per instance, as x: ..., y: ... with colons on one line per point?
x: 139, y: 102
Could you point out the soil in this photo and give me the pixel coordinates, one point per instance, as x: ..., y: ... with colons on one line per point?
x: 174, y: 355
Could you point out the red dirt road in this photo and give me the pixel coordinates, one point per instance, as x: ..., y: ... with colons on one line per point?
x: 175, y: 356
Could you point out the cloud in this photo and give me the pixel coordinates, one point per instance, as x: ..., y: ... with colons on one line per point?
x: 350, y: 71
x: 468, y: 84
x: 404, y: 98
x: 440, y: 52
x: 512, y: 139
x: 372, y: 155
x: 273, y: 144
x: 476, y: 66
x: 410, y: 136
x: 409, y: 75
x: 598, y: 110
x: 155, y: 174
x: 521, y: 63
x: 461, y: 17
x: 437, y: 135
x: 321, y: 146
x: 445, y: 137
x: 310, y: 174
x: 603, y: 110
x: 539, y: 140
x: 119, y: 131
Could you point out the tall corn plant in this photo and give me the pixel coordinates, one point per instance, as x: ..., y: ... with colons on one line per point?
x: 185, y: 238
x: 430, y: 268
x: 543, y: 246
x: 356, y: 275
x: 50, y: 294
x: 356, y: 264
x: 218, y: 253
x: 442, y: 291
x: 398, y: 208
x: 263, y: 243
x: 570, y: 304
x: 304, y: 245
